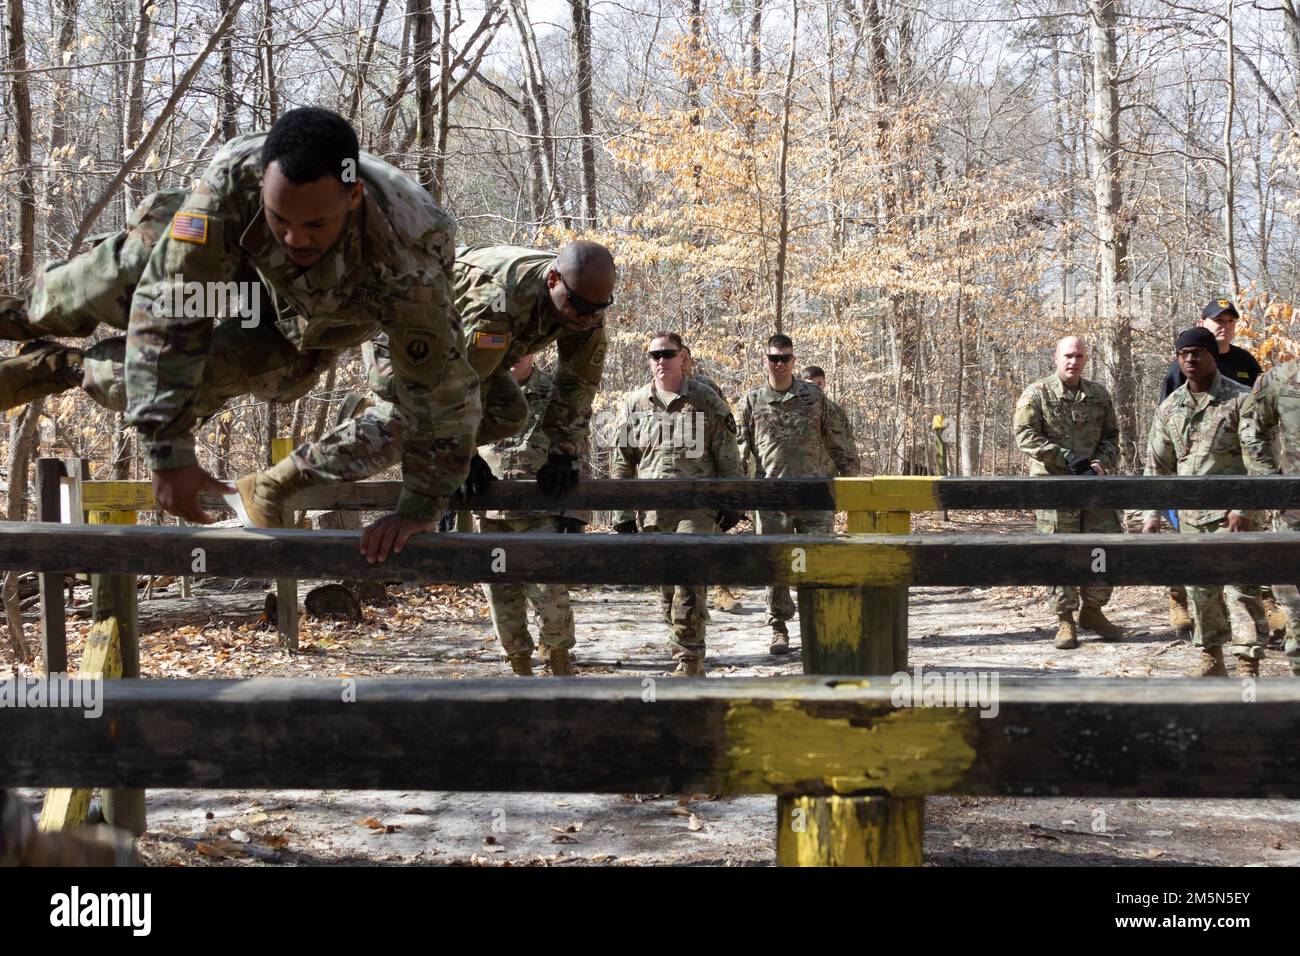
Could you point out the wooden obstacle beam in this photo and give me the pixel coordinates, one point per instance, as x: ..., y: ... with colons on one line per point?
x: 882, y: 494
x: 799, y: 560
x: 1047, y: 737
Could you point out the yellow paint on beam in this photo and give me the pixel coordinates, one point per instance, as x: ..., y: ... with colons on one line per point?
x: 837, y: 617
x: 850, y: 831
x: 909, y: 493
x: 281, y: 448
x: 117, y: 496
x: 875, y: 565
x: 784, y: 747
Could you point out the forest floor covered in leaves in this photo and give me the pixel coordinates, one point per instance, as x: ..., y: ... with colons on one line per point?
x: 445, y: 632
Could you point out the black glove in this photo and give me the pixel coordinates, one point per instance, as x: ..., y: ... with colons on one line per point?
x: 572, y: 526
x: 726, y: 520
x: 478, y: 480
x: 558, y: 475
x: 626, y: 527
x: 1077, y: 464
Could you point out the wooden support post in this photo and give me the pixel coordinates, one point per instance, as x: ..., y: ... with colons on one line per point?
x: 115, y: 603
x: 54, y: 634
x: 187, y: 589
x: 286, y: 589
x: 853, y: 631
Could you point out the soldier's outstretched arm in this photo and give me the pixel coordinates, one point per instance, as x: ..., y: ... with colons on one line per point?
x: 1161, y: 460
x: 624, y: 457
x: 750, y: 463
x: 577, y: 379
x: 1031, y: 434
x: 722, y: 441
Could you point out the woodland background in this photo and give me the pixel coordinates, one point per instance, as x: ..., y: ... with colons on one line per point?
x: 925, y: 194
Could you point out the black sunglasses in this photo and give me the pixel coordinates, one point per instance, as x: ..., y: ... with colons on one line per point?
x: 779, y: 359
x: 663, y: 354
x: 581, y: 305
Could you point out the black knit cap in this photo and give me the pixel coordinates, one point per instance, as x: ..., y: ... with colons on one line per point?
x: 1197, y: 336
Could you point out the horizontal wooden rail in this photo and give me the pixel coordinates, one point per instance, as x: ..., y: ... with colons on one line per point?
x: 818, y: 494
x: 804, y: 736
x: 814, y: 561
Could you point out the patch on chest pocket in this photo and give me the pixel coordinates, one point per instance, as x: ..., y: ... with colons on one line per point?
x: 418, y: 346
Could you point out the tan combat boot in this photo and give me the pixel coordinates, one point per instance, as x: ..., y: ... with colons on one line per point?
x: 780, y: 639
x: 1067, y: 636
x: 1247, y: 667
x: 1211, y: 663
x: 561, y: 664
x: 1277, y: 618
x: 1091, y: 618
x: 689, y: 667
x: 39, y: 369
x: 1180, y: 619
x: 265, y: 492
x: 522, y: 664
x: 726, y: 601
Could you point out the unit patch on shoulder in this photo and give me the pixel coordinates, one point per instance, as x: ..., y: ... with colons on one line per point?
x: 490, y: 340
x: 417, y: 348
x: 190, y: 227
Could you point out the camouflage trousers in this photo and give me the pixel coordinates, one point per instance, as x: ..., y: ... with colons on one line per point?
x: 780, y: 606
x: 1288, y: 595
x: 1226, y: 615
x: 1066, y: 599
x: 683, y: 605
x: 509, y: 602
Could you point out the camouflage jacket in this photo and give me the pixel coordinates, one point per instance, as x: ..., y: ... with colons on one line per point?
x: 1273, y: 410
x: 390, y: 271
x: 1200, y: 433
x: 520, y: 455
x: 708, y: 383
x: 794, y: 434
x: 505, y: 307
x: 1052, y: 421
x: 839, y: 422
x: 693, y: 437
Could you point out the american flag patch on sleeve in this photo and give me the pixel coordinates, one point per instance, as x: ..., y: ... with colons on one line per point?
x: 190, y: 227
x: 489, y: 340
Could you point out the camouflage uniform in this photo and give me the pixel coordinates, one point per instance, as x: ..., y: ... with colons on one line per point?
x: 793, y: 434
x: 692, y: 436
x: 1273, y: 415
x: 1052, y: 421
x: 839, y: 423
x: 519, y: 457
x: 505, y: 307
x: 388, y: 278
x: 1205, y: 433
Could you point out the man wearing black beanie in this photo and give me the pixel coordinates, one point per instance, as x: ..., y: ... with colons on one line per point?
x: 1199, y: 430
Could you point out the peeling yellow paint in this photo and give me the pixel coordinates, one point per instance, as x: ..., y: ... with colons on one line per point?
x: 861, y: 565
x: 850, y: 831
x: 908, y: 493
x: 780, y: 746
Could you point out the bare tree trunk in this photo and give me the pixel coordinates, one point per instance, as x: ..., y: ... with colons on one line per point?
x: 135, y: 95
x: 57, y: 194
x: 783, y: 196
x: 535, y: 94
x: 581, y: 13
x: 444, y: 104
x: 422, y: 15
x: 756, y: 39
x: 22, y: 445
x: 268, y: 58
x: 229, y: 111
x: 1229, y: 167
x: 1112, y: 224
x: 23, y: 142
x: 363, y: 67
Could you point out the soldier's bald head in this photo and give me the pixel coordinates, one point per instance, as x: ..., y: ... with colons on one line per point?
x: 584, y: 259
x: 1071, y: 358
x: 1071, y: 343
x: 581, y: 284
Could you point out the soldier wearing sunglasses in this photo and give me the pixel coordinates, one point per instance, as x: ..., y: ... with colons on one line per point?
x: 515, y: 302
x: 788, y: 431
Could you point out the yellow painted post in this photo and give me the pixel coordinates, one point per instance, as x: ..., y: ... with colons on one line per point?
x: 286, y: 589
x: 115, y: 602
x: 857, y: 631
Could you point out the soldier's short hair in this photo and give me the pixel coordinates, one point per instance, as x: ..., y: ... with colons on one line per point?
x: 311, y: 142
x: 780, y: 341
x: 582, y: 255
x: 671, y: 336
x: 812, y: 372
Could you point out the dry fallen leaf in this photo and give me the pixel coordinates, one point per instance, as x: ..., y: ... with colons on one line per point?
x: 680, y: 812
x: 370, y: 822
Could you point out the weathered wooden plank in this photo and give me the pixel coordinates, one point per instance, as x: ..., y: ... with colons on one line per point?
x: 798, y: 736
x: 868, y: 560
x: 54, y: 633
x: 65, y: 808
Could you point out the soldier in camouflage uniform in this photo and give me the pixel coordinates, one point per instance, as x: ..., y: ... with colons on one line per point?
x: 515, y: 302
x: 519, y: 456
x: 1066, y: 424
x: 1200, y: 430
x: 676, y: 428
x: 723, y: 598
x: 839, y: 417
x: 1272, y: 413
x: 787, y: 431
x: 305, y: 247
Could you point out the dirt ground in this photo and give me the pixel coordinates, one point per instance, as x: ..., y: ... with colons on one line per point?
x: 445, y: 632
